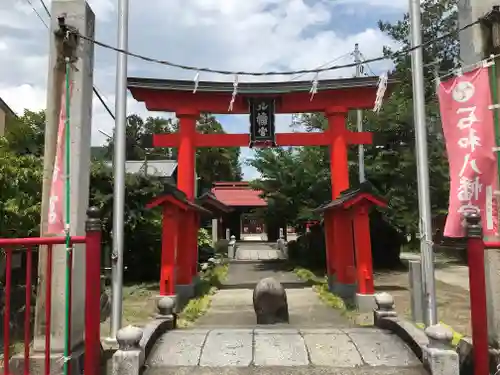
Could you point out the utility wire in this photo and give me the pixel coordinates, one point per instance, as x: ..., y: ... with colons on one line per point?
x: 322, y: 66
x: 94, y: 88
x: 363, y: 60
x: 403, y: 52
x: 37, y: 14
x: 45, y: 7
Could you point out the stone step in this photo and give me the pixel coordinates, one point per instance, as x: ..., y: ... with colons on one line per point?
x: 287, y: 370
x: 280, y: 347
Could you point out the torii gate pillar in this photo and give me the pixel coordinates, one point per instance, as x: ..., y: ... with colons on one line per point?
x: 187, y: 245
x: 339, y: 246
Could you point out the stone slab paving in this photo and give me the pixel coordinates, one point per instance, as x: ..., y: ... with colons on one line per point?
x: 254, y: 251
x: 299, y: 370
x: 233, y: 308
x: 252, y: 254
x: 318, y: 340
x: 288, y: 347
x: 246, y: 274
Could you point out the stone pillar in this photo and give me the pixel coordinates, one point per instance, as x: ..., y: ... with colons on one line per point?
x: 129, y: 358
x: 385, y: 307
x: 417, y: 297
x: 215, y: 231
x: 79, y: 15
x: 438, y: 356
x: 166, y: 307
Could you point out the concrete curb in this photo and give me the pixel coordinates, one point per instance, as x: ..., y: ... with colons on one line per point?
x: 414, y: 337
x: 135, y: 344
x: 432, y: 346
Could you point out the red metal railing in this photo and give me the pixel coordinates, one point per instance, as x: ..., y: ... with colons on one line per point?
x: 92, y: 242
x: 478, y: 301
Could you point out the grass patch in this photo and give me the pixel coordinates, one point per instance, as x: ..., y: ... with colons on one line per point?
x: 138, y: 305
x: 457, y: 336
x: 139, y: 301
x: 208, y: 284
x: 320, y: 286
x: 309, y: 276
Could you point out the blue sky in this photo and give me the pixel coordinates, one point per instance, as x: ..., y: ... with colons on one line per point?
x: 252, y: 35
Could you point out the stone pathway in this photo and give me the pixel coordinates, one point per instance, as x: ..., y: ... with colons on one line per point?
x: 318, y: 340
x: 453, y: 274
x: 257, y: 251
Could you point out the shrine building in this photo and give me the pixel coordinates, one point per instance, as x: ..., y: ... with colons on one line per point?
x: 242, y: 222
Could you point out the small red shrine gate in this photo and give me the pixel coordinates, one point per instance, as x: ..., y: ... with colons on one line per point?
x: 334, y: 98
x: 180, y: 217
x: 350, y: 270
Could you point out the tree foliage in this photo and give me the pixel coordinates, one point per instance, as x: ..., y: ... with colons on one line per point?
x: 298, y: 180
x: 215, y: 163
x: 21, y: 174
x: 25, y: 134
x: 20, y: 197
x: 212, y: 164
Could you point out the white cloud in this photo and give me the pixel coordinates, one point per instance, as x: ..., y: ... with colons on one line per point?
x: 252, y: 35
x: 395, y: 4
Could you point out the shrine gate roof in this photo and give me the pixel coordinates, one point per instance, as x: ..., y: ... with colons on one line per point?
x: 238, y: 194
x: 294, y: 96
x: 352, y: 196
x: 251, y: 87
x: 214, y: 205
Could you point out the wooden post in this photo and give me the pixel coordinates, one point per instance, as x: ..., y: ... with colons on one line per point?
x: 342, y: 233
x: 331, y: 267
x: 363, y: 251
x: 168, y: 250
x: 186, y: 183
x: 195, y: 223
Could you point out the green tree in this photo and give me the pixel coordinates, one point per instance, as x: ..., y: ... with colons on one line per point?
x: 139, y: 141
x: 301, y: 180
x: 214, y: 163
x: 25, y: 134
x: 20, y: 193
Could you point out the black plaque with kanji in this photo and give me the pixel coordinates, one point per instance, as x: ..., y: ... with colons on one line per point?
x: 262, y: 122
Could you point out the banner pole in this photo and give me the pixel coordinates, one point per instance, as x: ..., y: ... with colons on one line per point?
x: 424, y: 204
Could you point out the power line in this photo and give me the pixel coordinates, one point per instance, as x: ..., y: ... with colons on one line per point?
x: 403, y: 52
x: 94, y: 88
x: 363, y: 59
x: 45, y: 7
x: 101, y: 99
x: 323, y: 65
x: 37, y: 14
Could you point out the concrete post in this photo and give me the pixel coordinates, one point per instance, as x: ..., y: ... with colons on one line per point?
x: 417, y: 299
x: 228, y: 234
x: 231, y: 250
x: 477, y: 43
x: 215, y: 228
x: 77, y: 14
x: 129, y: 358
x: 438, y: 356
x: 167, y: 309
x: 385, y: 307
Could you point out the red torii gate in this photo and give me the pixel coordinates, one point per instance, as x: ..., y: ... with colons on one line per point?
x: 334, y: 98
